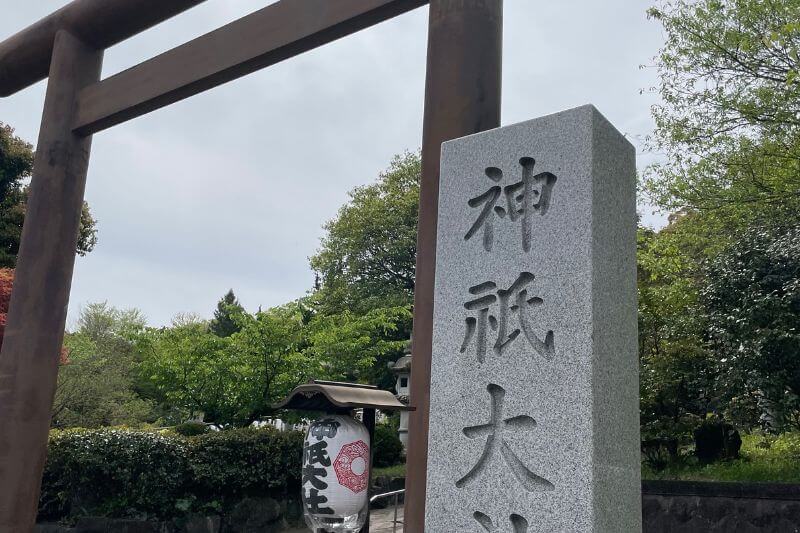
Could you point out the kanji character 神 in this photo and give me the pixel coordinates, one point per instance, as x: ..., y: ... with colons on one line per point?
x: 326, y: 427
x: 530, y: 195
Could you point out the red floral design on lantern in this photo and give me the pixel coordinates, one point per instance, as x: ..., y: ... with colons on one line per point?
x: 352, y: 466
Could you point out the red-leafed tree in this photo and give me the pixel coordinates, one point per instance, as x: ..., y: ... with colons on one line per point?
x: 6, y: 280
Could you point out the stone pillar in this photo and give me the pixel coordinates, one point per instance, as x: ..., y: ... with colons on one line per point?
x: 534, y: 419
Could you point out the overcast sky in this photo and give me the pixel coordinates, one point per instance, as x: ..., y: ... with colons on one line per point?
x: 230, y: 188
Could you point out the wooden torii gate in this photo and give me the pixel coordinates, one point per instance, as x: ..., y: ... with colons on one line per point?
x: 462, y: 96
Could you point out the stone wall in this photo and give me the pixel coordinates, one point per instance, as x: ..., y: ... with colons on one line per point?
x: 667, y: 507
x: 249, y: 515
x: 695, y: 507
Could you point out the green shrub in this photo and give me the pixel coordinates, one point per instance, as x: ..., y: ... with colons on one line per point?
x: 387, y: 446
x: 764, y: 458
x: 191, y: 429
x: 248, y: 461
x: 124, y: 473
x: 716, y: 439
x: 113, y: 472
x: 786, y: 445
x: 391, y: 472
x: 658, y: 453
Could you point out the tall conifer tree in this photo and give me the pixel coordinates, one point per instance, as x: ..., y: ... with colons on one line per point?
x: 223, y: 324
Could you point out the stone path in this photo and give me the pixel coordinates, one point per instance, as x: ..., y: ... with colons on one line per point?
x: 380, y: 522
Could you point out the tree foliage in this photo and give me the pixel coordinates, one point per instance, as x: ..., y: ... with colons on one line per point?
x: 270, y: 349
x: 16, y: 166
x: 677, y: 379
x: 97, y: 385
x: 231, y: 380
x: 729, y: 121
x: 236, y: 380
x: 224, y: 322
x: 16, y: 163
x: 6, y: 281
x: 367, y: 258
x: 358, y: 347
x: 728, y: 128
x: 190, y: 369
x: 365, y: 268
x: 752, y: 298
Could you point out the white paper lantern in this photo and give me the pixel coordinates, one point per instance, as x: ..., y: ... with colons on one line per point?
x: 336, y: 462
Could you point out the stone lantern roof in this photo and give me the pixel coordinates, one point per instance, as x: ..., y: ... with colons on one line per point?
x: 402, y: 368
x: 404, y: 363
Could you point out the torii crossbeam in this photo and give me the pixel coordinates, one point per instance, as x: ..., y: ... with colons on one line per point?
x: 462, y: 96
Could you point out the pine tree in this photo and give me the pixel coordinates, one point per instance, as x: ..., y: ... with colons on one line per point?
x: 223, y: 324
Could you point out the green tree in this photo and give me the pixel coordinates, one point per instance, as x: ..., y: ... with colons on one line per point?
x: 191, y: 370
x: 678, y: 376
x: 271, y: 359
x: 6, y: 282
x: 231, y: 380
x: 224, y: 323
x: 367, y: 258
x: 365, y: 270
x: 356, y: 347
x: 16, y: 165
x: 728, y: 123
x: 97, y: 384
x: 729, y: 130
x: 752, y: 301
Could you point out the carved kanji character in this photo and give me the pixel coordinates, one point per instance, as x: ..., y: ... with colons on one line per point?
x: 518, y: 522
x: 512, y: 302
x: 496, y: 444
x: 532, y: 194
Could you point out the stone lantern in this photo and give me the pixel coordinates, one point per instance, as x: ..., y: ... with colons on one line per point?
x: 402, y: 369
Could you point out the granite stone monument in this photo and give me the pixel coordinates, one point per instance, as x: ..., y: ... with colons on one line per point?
x: 534, y: 421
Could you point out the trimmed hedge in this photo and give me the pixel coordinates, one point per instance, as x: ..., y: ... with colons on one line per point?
x: 113, y: 473
x: 125, y: 473
x: 190, y: 429
x: 245, y: 462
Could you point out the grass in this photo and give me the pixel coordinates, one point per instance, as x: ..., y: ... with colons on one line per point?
x: 762, y: 459
x: 390, y: 471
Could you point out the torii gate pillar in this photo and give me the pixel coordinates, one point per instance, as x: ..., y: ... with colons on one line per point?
x: 462, y: 97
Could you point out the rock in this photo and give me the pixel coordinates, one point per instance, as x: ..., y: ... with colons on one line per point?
x: 202, y: 524
x: 256, y: 515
